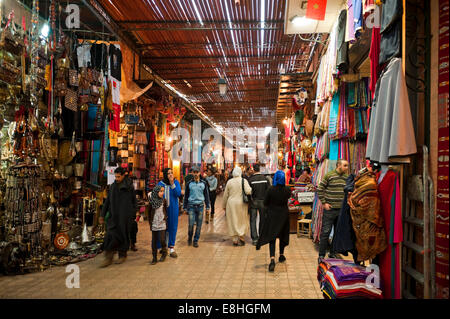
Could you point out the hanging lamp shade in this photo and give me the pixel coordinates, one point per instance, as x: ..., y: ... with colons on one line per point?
x: 222, y: 86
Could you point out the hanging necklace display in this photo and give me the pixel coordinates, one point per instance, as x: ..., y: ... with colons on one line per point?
x: 22, y: 204
x: 34, y: 53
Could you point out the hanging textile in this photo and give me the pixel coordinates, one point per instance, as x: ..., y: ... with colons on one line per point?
x: 391, y: 30
x: 390, y: 200
x: 342, y: 46
x: 334, y: 110
x: 366, y: 217
x: 374, y: 56
x: 350, y: 29
x: 442, y: 202
x: 391, y: 132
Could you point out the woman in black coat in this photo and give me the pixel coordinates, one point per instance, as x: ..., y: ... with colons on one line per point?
x: 276, y: 221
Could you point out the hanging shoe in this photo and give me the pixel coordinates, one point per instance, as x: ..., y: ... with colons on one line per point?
x: 272, y: 265
x: 282, y: 259
x: 133, y: 247
x: 163, y: 257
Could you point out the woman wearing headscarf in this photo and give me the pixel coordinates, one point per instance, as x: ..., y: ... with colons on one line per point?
x: 158, y: 221
x: 172, y: 193
x: 276, y: 222
x: 235, y: 209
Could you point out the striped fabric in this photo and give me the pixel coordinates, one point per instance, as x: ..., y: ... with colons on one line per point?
x: 331, y: 189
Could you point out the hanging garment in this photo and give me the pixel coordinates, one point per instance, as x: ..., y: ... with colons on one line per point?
x: 391, y: 132
x: 367, y: 220
x: 350, y: 30
x: 391, y: 30
x: 99, y: 56
x: 115, y: 62
x: 334, y: 111
x: 114, y: 119
x: 374, y: 55
x: 342, y: 46
x: 84, y: 56
x: 391, y: 211
x: 357, y: 16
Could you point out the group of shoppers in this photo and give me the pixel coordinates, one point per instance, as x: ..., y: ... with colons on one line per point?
x: 245, y: 198
x: 268, y: 201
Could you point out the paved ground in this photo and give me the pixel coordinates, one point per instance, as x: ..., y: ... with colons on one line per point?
x: 216, y: 269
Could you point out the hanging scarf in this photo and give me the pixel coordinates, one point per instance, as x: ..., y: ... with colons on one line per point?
x: 155, y: 200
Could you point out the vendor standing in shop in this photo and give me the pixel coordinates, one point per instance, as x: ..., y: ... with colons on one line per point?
x: 172, y: 193
x: 331, y: 194
x: 305, y: 176
x: 122, y: 206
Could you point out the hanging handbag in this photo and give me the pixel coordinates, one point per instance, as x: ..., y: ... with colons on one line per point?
x: 71, y: 100
x: 73, y: 77
x: 245, y: 197
x: 84, y: 99
x: 60, y: 88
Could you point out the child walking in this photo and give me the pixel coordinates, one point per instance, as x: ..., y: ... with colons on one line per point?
x: 158, y: 222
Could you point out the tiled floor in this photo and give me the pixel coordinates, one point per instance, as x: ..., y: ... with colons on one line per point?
x: 216, y: 269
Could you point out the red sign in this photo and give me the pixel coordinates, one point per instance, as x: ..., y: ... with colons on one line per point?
x: 316, y: 9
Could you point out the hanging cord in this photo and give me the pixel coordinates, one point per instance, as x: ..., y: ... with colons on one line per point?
x: 316, y: 40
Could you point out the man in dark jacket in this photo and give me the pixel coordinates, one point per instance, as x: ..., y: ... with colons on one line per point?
x: 121, y: 204
x: 196, y: 195
x: 259, y: 184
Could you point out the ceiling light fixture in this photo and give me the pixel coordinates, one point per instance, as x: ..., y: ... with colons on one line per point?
x: 300, y: 21
x: 222, y: 86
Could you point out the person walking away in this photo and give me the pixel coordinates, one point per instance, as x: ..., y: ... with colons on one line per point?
x: 158, y: 222
x: 331, y: 194
x: 196, y: 196
x: 249, y: 172
x: 121, y: 204
x: 236, y: 210
x: 276, y: 222
x: 172, y: 193
x: 259, y: 184
x: 212, y: 182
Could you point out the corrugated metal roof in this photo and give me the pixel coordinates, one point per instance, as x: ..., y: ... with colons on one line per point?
x: 192, y: 43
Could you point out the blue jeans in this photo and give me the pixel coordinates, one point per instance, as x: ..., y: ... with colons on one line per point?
x: 195, y: 216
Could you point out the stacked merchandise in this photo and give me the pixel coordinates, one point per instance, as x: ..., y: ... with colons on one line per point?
x: 342, y: 279
x: 139, y: 158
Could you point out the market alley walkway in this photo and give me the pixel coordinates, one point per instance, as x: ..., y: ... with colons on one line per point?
x: 216, y: 269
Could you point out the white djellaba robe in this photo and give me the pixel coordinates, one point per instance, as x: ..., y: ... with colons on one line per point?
x: 391, y: 131
x: 233, y: 203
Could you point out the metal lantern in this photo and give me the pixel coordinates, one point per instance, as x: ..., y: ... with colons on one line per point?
x: 222, y: 86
